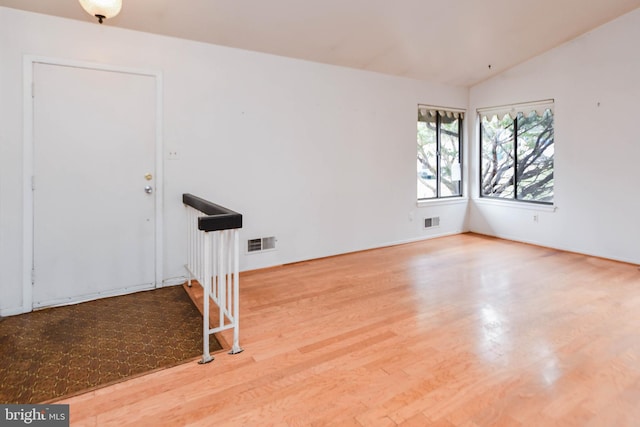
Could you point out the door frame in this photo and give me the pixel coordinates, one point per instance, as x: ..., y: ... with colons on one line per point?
x: 29, y: 62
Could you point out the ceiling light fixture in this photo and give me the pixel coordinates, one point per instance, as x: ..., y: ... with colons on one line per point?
x: 102, y: 9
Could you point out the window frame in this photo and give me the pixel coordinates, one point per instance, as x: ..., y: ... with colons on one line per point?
x: 460, y: 116
x: 507, y: 110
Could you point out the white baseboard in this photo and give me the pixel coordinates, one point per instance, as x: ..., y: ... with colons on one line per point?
x: 13, y: 311
x: 6, y: 312
x: 559, y: 248
x: 174, y: 281
x: 421, y: 238
x: 90, y: 297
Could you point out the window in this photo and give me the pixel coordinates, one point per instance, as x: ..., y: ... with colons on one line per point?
x: 439, y: 153
x: 517, y: 152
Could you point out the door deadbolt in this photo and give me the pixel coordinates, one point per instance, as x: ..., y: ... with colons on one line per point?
x: 148, y: 176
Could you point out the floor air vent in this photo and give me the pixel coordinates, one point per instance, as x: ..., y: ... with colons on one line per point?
x: 261, y: 244
x: 432, y: 222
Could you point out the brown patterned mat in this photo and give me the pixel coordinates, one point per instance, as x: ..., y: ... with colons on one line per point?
x: 59, y: 351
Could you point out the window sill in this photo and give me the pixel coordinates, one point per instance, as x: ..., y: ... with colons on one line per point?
x: 517, y: 205
x: 439, y: 202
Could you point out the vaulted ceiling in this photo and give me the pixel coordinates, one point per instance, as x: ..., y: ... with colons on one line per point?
x: 458, y: 42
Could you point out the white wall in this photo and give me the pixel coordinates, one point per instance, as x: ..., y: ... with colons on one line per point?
x: 322, y: 157
x: 595, y: 81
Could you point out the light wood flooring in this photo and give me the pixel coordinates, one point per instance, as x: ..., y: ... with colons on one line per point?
x: 458, y: 331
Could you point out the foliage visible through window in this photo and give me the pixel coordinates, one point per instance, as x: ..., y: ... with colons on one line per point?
x: 517, y: 156
x: 438, y: 168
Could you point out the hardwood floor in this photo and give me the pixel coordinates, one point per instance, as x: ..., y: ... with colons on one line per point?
x: 458, y: 331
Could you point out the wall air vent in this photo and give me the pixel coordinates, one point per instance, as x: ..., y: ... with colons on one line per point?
x: 261, y: 244
x: 432, y: 222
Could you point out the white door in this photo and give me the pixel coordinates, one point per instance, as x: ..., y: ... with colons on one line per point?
x: 94, y: 154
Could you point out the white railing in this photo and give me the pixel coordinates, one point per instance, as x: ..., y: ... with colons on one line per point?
x: 213, y: 249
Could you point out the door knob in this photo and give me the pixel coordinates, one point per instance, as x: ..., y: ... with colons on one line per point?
x: 148, y: 189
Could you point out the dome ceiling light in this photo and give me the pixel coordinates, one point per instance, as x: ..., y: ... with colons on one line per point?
x: 102, y: 9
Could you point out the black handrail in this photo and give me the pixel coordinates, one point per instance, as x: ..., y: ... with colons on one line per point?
x: 218, y: 217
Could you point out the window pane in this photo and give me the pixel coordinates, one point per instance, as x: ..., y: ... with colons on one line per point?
x: 497, y: 157
x: 535, y: 157
x: 450, y: 174
x: 427, y: 161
